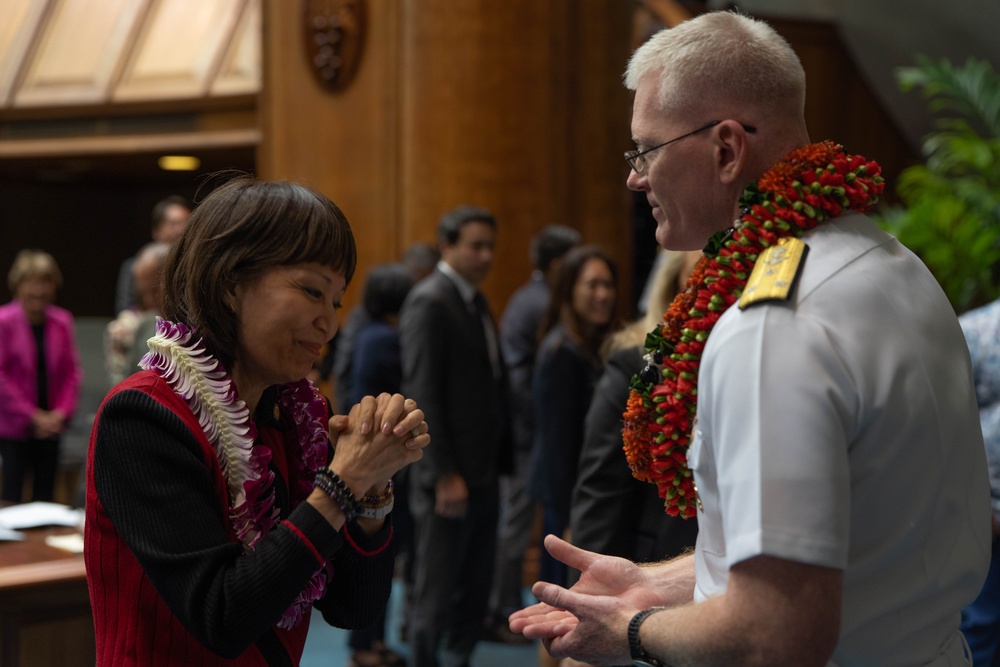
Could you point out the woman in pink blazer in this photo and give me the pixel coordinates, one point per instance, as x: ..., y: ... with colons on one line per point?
x: 40, y: 375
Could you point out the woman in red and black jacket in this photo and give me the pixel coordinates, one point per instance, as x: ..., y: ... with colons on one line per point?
x: 218, y: 513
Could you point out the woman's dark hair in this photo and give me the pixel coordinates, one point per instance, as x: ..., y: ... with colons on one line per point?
x: 385, y: 290
x: 560, y: 308
x: 239, y: 231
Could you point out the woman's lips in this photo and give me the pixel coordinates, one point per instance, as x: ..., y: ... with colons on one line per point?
x: 314, y: 348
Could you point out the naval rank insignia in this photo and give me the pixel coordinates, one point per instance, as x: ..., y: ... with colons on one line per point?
x: 774, y: 275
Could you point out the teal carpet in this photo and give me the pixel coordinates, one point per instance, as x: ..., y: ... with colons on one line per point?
x: 327, y: 646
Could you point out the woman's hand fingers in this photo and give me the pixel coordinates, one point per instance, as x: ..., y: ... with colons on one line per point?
x: 419, y: 437
x: 411, y: 425
x: 399, y: 415
x: 381, y: 435
x: 337, y: 425
x: 364, y: 412
x: 391, y: 408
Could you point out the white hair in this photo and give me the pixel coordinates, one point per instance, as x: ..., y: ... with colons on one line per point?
x: 722, y: 56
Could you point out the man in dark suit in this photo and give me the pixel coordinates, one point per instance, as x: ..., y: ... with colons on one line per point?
x: 453, y: 368
x: 519, y: 326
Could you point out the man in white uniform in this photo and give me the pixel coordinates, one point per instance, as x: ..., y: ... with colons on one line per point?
x: 843, y: 496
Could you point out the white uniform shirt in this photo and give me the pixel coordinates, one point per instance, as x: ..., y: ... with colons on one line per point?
x: 840, y: 429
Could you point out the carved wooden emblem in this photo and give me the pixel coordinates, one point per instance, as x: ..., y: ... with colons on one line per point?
x: 334, y: 37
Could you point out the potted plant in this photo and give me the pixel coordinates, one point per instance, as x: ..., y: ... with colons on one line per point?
x: 951, y: 217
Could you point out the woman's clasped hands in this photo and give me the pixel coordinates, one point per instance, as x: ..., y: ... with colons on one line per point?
x: 378, y: 437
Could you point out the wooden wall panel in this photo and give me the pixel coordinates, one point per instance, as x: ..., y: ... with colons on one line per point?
x: 485, y: 119
x: 601, y: 113
x: 518, y: 106
x: 515, y: 105
x: 178, y: 49
x: 344, y: 144
x: 77, y: 56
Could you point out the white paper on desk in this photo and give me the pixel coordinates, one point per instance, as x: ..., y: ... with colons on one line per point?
x: 8, y: 535
x: 34, y: 515
x: 72, y: 542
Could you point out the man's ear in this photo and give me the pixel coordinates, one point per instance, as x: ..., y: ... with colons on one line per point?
x: 731, y: 151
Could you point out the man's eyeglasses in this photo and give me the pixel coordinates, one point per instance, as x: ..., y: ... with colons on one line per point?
x: 637, y: 159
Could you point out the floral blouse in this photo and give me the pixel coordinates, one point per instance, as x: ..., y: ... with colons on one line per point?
x: 982, y: 332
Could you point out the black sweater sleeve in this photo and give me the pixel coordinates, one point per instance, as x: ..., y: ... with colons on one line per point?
x: 602, y: 500
x: 154, y: 485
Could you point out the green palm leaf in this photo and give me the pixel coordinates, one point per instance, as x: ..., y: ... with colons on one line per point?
x: 952, y: 213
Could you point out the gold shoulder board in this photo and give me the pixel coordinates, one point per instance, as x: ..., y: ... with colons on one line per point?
x: 774, y: 275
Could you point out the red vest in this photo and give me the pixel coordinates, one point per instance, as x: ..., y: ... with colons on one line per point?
x: 132, y: 623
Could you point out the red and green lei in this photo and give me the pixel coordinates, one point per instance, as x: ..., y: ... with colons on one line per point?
x: 811, y: 185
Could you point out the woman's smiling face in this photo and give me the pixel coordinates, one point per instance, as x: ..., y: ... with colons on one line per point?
x: 285, y: 317
x: 593, y: 297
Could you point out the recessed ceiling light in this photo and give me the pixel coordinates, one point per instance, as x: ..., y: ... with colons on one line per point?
x: 179, y: 163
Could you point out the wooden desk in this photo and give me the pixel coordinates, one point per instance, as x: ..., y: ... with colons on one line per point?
x: 45, y: 614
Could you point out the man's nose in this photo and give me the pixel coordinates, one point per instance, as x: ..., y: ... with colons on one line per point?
x: 635, y: 180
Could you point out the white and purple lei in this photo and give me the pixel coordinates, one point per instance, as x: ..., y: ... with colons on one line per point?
x: 177, y: 354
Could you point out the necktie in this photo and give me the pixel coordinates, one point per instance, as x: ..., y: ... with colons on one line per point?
x: 482, y: 314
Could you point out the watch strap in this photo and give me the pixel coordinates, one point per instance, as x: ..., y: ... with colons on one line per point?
x: 380, y: 512
x: 639, y: 655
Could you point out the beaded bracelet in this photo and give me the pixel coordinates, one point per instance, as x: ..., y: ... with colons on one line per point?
x: 378, y: 506
x: 381, y: 499
x: 332, y: 485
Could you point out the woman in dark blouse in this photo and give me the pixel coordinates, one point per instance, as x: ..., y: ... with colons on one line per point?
x: 580, y: 315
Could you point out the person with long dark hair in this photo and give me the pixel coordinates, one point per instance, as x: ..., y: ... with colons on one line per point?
x: 580, y: 315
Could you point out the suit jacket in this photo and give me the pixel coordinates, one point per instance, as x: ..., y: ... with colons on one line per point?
x: 447, y: 370
x: 19, y: 361
x: 343, y: 358
x: 563, y: 388
x: 376, y: 364
x: 519, y: 343
x: 614, y: 513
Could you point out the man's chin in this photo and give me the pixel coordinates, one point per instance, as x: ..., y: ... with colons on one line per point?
x: 663, y: 236
x: 674, y: 242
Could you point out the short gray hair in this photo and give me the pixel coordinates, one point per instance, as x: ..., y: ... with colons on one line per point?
x: 728, y: 55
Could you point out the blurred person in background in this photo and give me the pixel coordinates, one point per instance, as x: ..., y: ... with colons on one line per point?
x: 519, y: 328
x: 981, y: 618
x: 419, y: 261
x: 168, y: 219
x: 377, y: 368
x: 452, y: 366
x: 612, y: 512
x: 580, y: 315
x: 40, y: 375
x: 125, y: 336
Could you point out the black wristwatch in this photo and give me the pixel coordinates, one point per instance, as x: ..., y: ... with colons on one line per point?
x: 639, y: 656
